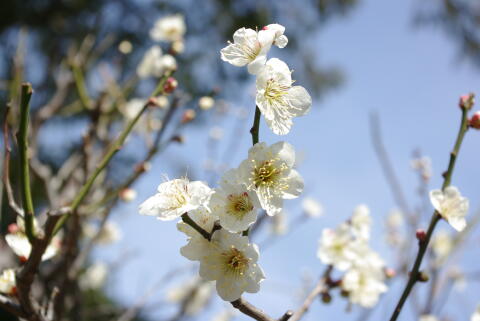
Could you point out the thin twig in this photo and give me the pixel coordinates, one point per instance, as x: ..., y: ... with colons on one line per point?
x: 423, y: 245
x: 23, y: 151
x: 319, y: 288
x: 6, y: 166
x: 114, y: 148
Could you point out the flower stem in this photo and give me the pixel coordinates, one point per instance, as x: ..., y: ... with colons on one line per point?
x: 256, y: 125
x: 188, y: 220
x: 423, y: 245
x: 26, y: 94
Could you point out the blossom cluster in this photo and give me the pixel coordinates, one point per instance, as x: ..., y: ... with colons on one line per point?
x: 346, y: 248
x: 217, y: 221
x: 262, y: 181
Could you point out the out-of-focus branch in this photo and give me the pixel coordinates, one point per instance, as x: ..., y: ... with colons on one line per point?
x: 81, y: 87
x: 317, y: 290
x: 423, y: 245
x: 10, y: 306
x: 6, y: 166
x: 113, y: 149
x: 388, y: 169
x: 26, y: 94
x: 26, y: 276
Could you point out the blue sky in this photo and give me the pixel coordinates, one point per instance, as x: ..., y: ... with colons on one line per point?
x: 412, y: 78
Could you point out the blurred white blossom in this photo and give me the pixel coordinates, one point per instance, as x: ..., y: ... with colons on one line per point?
x: 8, y: 282
x: 155, y: 64
x: 194, y: 294
x: 169, y: 28
x: 428, y: 317
x: 476, y: 314
x: 442, y: 244
x: 312, y: 207
x: 206, y: 102
x: 94, y: 277
x: 279, y: 224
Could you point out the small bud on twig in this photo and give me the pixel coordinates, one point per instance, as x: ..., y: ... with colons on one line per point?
x: 390, y: 273
x: 170, y: 85
x: 423, y: 276
x: 474, y: 121
x: 467, y: 101
x: 421, y: 235
x: 188, y: 116
x: 326, y: 297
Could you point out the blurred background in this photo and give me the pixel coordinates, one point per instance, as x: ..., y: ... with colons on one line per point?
x: 399, y: 67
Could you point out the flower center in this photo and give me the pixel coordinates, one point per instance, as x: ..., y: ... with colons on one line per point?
x: 267, y: 174
x: 239, y: 205
x: 275, y: 93
x: 235, y: 261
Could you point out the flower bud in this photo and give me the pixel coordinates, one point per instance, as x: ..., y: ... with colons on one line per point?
x: 206, y: 102
x: 467, y: 101
x: 125, y: 47
x: 143, y: 167
x: 178, y: 139
x: 423, y: 276
x: 326, y: 297
x: 188, y: 116
x: 13, y: 228
x: 390, y: 273
x: 127, y: 194
x: 170, y: 85
x: 421, y: 235
x: 474, y: 121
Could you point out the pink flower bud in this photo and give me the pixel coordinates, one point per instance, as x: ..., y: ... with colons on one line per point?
x: 467, y: 101
x: 421, y: 235
x: 390, y: 273
x: 188, y: 116
x: 474, y: 121
x: 170, y: 85
x: 12, y: 228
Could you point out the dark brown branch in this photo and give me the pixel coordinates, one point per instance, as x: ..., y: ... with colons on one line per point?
x: 10, y: 306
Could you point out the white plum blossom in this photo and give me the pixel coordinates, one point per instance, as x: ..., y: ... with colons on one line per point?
x: 109, y: 234
x: 361, y: 222
x: 476, y: 315
x: 17, y: 240
x: 442, y: 244
x: 155, y: 64
x: 8, y: 282
x: 169, y: 28
x: 277, y: 99
x: 311, y: 207
x: 175, y: 198
x: 249, y: 48
x: 336, y: 247
x: 279, y: 40
x: 94, y: 277
x: 364, y: 285
x: 269, y: 172
x: 428, y: 317
x: 452, y: 206
x: 231, y: 261
x: 133, y: 107
x: 279, y: 224
x: 235, y: 206
x: 194, y: 294
x: 206, y: 102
